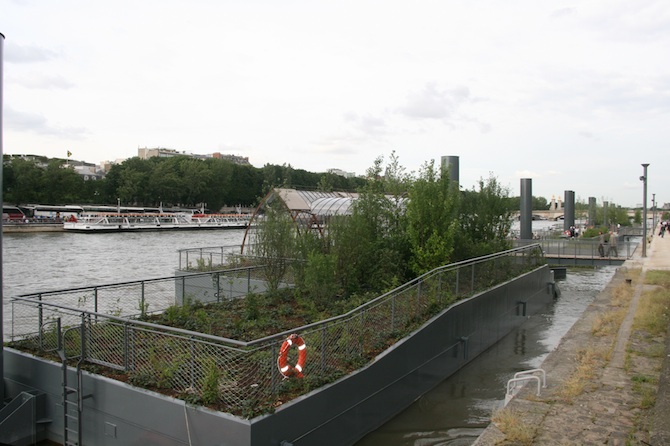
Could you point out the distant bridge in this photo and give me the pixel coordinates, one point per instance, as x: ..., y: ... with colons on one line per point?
x: 558, y: 214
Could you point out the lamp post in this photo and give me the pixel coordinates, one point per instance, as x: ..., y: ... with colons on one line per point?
x: 643, y: 178
x: 653, y: 212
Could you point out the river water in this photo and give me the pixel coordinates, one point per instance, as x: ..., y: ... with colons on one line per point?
x: 454, y: 413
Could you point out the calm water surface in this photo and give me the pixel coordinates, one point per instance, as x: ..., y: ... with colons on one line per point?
x: 457, y: 411
x: 60, y: 260
x: 454, y: 413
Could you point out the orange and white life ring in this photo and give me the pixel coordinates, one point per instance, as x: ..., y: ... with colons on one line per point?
x: 284, y: 367
x: 567, y: 232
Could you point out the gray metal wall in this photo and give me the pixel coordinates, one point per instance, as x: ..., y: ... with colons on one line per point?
x: 338, y: 414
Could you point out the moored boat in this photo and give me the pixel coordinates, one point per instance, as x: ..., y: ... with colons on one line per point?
x: 123, y: 222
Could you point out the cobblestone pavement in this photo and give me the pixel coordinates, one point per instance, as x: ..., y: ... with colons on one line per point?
x: 611, y: 408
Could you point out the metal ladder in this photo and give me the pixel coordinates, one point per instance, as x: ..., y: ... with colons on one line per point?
x: 522, y: 378
x: 73, y: 398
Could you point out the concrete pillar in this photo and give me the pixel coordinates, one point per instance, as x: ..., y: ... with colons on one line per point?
x: 592, y: 211
x: 606, y: 204
x: 526, y: 209
x: 569, y: 210
x: 450, y: 165
x: 2, y: 298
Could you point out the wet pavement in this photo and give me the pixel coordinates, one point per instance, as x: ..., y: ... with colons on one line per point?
x: 610, y: 408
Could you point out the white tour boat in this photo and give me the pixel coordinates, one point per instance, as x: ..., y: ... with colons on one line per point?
x: 118, y: 222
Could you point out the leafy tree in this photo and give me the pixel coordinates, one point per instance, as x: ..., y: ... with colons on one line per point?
x: 23, y: 181
x: 432, y: 213
x: 485, y: 220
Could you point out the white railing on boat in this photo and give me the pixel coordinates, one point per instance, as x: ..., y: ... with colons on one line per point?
x: 93, y: 222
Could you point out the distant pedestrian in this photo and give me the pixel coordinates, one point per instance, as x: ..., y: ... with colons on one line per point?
x: 601, y: 244
x: 613, y: 244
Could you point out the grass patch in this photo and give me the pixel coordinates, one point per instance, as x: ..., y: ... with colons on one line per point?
x: 653, y: 312
x: 588, y: 362
x: 657, y: 277
x: 510, y: 423
x: 645, y: 386
x: 608, y: 323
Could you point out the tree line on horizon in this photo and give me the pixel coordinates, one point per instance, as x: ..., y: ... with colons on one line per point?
x: 177, y: 181
x: 180, y: 181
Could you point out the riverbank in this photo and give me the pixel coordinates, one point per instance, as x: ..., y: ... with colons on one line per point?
x: 20, y: 228
x: 608, y: 381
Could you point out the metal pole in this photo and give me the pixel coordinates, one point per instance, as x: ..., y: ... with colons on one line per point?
x: 2, y: 299
x: 644, y: 210
x: 653, y: 212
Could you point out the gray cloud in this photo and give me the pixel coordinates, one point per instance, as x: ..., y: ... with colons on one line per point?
x: 432, y: 103
x: 563, y: 12
x: 38, y: 124
x: 366, y: 124
x: 28, y: 54
x: 42, y: 82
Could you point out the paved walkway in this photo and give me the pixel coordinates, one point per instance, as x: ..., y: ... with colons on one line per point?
x: 609, y: 408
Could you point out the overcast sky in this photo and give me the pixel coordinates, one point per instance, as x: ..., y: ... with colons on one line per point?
x: 574, y: 95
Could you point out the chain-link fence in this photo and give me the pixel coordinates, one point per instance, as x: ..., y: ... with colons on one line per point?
x: 103, y: 325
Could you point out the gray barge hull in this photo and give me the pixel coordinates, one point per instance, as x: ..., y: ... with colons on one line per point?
x: 338, y: 414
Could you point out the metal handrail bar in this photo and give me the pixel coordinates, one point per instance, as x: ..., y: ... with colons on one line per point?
x: 157, y: 327
x: 137, y: 282
x: 510, y: 389
x: 531, y: 372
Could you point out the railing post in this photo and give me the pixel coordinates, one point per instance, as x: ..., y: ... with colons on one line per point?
x: 192, y: 344
x: 472, y: 279
x: 40, y: 313
x: 458, y: 277
x: 126, y: 350
x: 142, y: 307
x: 95, y: 299
x: 82, y: 346
x: 323, y: 348
x: 393, y: 313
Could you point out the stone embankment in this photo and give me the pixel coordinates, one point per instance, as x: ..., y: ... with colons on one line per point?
x: 608, y: 382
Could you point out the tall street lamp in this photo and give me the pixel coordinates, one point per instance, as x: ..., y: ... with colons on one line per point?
x: 643, y: 178
x: 653, y: 212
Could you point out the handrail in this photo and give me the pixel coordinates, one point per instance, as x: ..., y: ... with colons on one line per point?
x: 530, y: 372
x: 524, y: 376
x: 511, y: 390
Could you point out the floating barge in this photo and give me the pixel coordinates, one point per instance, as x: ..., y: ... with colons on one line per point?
x: 122, y: 222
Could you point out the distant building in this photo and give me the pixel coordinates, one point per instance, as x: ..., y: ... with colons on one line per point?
x: 235, y: 159
x: 89, y: 171
x: 160, y: 152
x: 342, y: 173
x: 146, y: 153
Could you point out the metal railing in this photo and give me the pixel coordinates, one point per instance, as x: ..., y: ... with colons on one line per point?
x: 587, y: 248
x: 206, y: 258
x: 239, y: 377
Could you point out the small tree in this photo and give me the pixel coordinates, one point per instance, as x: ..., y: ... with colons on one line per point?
x: 275, y: 242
